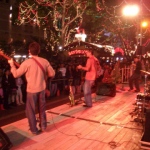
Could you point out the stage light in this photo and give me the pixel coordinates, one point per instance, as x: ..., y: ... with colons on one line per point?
x: 131, y: 10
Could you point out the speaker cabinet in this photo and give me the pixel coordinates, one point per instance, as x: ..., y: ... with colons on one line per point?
x: 146, y: 135
x: 5, y: 143
x: 106, y: 89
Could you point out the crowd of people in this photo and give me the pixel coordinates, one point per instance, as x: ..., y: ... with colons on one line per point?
x: 13, y: 90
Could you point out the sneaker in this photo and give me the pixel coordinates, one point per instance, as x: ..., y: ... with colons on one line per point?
x: 35, y: 133
x: 86, y: 106
x: 38, y: 132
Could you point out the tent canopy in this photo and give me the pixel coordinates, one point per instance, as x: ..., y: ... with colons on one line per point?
x: 80, y: 48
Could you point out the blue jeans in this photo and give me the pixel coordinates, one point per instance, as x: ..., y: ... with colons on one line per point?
x: 87, y: 92
x: 34, y: 99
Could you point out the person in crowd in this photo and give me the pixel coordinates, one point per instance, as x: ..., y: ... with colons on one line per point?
x: 35, y: 69
x: 1, y: 75
x: 106, y: 74
x: 69, y: 78
x: 91, y: 73
x: 77, y: 80
x: 135, y: 77
x: 13, y: 91
x: 19, y: 97
x: 115, y: 73
x: 52, y: 85
x: 1, y: 98
x: 59, y: 79
x: 1, y: 92
x: 6, y: 82
x: 70, y: 83
x: 63, y: 70
x: 23, y: 88
x: 146, y: 60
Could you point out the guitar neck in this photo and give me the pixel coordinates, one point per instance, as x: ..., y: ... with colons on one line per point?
x: 8, y: 58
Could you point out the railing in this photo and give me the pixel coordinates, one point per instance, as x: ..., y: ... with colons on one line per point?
x: 126, y: 72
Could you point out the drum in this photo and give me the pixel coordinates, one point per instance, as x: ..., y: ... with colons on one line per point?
x: 142, y: 97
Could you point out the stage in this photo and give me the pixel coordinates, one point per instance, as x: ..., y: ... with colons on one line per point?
x: 105, y: 126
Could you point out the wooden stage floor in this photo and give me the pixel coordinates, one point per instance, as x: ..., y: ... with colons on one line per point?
x: 107, y: 125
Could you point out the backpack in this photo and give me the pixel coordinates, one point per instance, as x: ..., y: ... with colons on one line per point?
x: 99, y: 70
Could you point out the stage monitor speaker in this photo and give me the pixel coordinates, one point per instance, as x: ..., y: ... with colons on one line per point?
x: 146, y: 135
x: 5, y: 143
x: 106, y: 89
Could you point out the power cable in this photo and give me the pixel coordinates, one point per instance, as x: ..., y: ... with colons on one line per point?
x: 112, y: 144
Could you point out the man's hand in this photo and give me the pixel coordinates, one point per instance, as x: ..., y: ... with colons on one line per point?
x: 11, y: 62
x: 79, y: 66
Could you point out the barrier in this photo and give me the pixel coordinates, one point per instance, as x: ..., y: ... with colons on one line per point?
x: 126, y: 72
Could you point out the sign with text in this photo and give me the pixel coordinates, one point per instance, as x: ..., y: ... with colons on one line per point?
x: 77, y: 52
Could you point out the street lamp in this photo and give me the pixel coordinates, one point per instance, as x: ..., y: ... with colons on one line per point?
x: 130, y: 11
x: 143, y: 24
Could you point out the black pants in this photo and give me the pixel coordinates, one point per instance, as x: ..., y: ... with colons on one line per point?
x: 134, y: 79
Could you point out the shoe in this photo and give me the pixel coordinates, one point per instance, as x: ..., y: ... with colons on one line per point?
x: 43, y: 129
x: 35, y: 133
x: 130, y: 90
x: 137, y: 91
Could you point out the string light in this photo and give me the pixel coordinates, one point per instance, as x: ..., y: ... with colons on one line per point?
x: 52, y: 15
x: 114, y: 23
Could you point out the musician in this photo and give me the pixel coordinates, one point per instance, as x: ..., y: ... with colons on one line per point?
x: 135, y: 77
x: 90, y: 77
x: 36, y: 85
x: 146, y: 59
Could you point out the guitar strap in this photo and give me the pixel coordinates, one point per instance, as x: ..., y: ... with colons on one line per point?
x: 47, y: 92
x: 40, y: 67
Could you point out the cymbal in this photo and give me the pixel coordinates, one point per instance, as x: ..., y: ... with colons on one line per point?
x: 145, y: 72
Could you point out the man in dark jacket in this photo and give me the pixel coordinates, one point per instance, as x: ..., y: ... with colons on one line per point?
x: 136, y: 75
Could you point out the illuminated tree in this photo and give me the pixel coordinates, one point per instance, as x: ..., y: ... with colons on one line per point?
x: 58, y: 18
x: 101, y: 19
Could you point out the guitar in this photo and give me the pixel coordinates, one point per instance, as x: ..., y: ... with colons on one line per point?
x: 8, y: 58
x: 47, y: 92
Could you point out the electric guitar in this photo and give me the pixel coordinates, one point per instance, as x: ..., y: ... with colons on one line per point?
x: 7, y: 57
x: 47, y: 92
